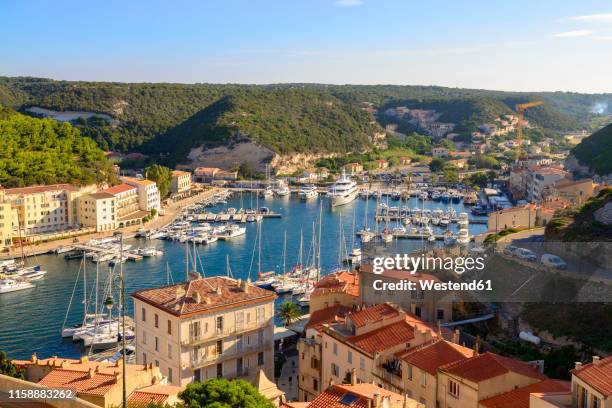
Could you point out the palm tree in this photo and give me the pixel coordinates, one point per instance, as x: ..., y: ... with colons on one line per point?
x: 288, y: 312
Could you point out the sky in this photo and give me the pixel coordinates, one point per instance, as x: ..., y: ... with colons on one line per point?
x: 534, y: 45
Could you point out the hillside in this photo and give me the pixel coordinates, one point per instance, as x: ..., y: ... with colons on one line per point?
x: 595, y: 151
x: 44, y: 151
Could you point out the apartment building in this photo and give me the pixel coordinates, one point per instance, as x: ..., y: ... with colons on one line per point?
x: 128, y: 205
x: 429, y: 306
x: 180, y: 182
x: 206, y: 328
x: 575, y: 192
x: 366, y: 340
x: 540, y: 179
x: 520, y: 397
x: 209, y: 174
x: 6, y: 221
x: 148, y: 194
x: 98, y: 210
x: 592, y: 384
x: 339, y: 288
x: 467, y: 382
x: 353, y: 168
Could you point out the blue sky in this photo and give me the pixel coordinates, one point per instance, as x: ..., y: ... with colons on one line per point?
x: 493, y: 44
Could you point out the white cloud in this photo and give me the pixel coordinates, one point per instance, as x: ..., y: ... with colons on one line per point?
x: 575, y: 33
x: 348, y: 3
x: 594, y: 18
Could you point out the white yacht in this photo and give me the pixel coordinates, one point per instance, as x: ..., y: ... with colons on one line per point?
x: 11, y: 285
x: 307, y: 192
x: 343, y: 191
x: 282, y: 191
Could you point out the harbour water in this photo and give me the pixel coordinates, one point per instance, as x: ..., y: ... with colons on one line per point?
x: 31, y: 320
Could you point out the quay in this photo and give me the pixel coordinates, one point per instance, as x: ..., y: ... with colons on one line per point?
x: 94, y: 248
x: 236, y: 217
x: 438, y: 237
x: 395, y: 217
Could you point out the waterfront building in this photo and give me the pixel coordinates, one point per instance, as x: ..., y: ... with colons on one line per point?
x: 381, y: 164
x: 592, y: 383
x: 180, y: 182
x: 148, y: 194
x: 467, y: 382
x: 97, y: 210
x: 405, y: 161
x: 430, y: 306
x: 127, y: 203
x: 353, y: 168
x: 339, y: 288
x: 98, y: 382
x: 575, y: 192
x: 356, y: 394
x: 366, y: 340
x: 6, y: 221
x: 206, y: 328
x: 539, y: 179
x: 526, y: 216
x: 210, y: 174
x: 520, y: 397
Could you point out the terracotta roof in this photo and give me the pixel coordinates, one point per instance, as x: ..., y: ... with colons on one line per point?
x: 434, y: 354
x: 399, y: 274
x: 373, y: 314
x: 328, y: 315
x: 180, y: 173
x: 597, y: 375
x: 154, y: 393
x: 339, y: 282
x: 214, y: 293
x: 141, y: 182
x: 121, y: 188
x: 489, y: 365
x: 566, y: 183
x: 81, y: 382
x: 383, y: 338
x: 360, y: 393
x: 101, y: 195
x: 519, y: 398
x: 40, y: 189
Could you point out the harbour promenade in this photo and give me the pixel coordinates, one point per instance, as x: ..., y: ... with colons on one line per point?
x: 170, y: 212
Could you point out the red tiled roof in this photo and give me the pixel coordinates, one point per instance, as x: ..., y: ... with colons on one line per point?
x: 331, y: 397
x: 383, y: 338
x: 142, y: 399
x: 373, y: 314
x: 121, y: 188
x: 597, y: 375
x: 433, y: 354
x: 339, y: 282
x: 81, y: 382
x: 214, y: 293
x: 40, y: 189
x: 489, y: 365
x: 328, y: 315
x: 519, y: 398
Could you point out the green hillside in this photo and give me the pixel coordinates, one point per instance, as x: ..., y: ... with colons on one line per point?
x: 44, y: 151
x: 595, y: 151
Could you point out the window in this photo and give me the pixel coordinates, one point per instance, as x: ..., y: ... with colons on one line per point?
x: 315, y: 384
x: 219, y: 347
x: 156, y: 344
x: 440, y: 314
x: 156, y: 363
x: 596, y: 402
x: 169, y: 327
x: 260, y: 358
x: 453, y: 388
x: 169, y: 350
x: 584, y: 400
x: 194, y: 330
x: 335, y: 370
x: 144, y: 337
x: 361, y: 363
x: 219, y: 324
x: 169, y: 374
x: 335, y: 348
x: 423, y: 379
x: 144, y: 314
x: 349, y: 357
x: 219, y: 370
x: 260, y: 338
x: 239, y: 320
x: 144, y: 358
x: 239, y: 341
x: 409, y: 369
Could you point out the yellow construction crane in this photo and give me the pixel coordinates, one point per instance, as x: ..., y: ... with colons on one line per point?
x: 520, y: 109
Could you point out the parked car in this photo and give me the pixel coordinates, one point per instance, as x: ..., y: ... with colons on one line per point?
x: 526, y: 254
x: 553, y: 261
x: 510, y: 250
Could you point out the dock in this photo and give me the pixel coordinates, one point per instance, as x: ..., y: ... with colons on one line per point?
x: 236, y: 217
x: 439, y: 237
x: 93, y: 248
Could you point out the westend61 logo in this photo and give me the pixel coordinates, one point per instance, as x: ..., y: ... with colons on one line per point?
x: 413, y: 264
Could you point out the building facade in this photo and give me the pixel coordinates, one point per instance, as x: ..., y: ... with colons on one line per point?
x: 148, y: 194
x: 180, y: 182
x: 98, y: 210
x: 206, y: 328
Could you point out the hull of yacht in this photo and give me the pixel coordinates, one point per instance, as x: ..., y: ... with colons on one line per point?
x: 342, y: 199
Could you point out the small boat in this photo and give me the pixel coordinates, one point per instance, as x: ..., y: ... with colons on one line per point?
x: 304, y: 300
x: 423, y: 196
x: 307, y: 192
x: 12, y: 285
x: 366, y: 235
x: 34, y: 275
x: 386, y: 236
x: 282, y: 191
x: 449, y: 238
x: 266, y: 192
x: 63, y: 249
x: 231, y: 231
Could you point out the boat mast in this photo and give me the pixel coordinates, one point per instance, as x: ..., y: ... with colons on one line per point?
x: 284, y: 251
x: 319, y: 243
x: 300, y: 257
x: 84, y: 290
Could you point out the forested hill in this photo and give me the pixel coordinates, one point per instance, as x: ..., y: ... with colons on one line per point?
x: 44, y: 151
x: 169, y: 119
x: 595, y: 151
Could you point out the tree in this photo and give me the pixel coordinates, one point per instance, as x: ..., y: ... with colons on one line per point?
x: 162, y: 176
x: 8, y: 368
x: 289, y: 312
x: 223, y: 393
x: 246, y: 170
x: 436, y: 164
x: 450, y: 175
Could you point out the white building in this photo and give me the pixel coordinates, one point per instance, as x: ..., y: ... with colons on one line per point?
x: 148, y: 194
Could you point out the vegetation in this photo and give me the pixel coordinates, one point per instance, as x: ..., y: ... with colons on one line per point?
x: 44, y: 151
x: 8, y: 368
x: 162, y: 176
x: 491, y: 238
x: 223, y: 393
x: 595, y: 151
x: 289, y: 312
x: 579, y: 224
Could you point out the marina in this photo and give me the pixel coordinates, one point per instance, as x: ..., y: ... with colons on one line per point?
x: 39, y: 311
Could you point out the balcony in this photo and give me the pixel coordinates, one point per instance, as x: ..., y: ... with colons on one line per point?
x: 234, y: 352
x: 215, y: 334
x: 390, y: 373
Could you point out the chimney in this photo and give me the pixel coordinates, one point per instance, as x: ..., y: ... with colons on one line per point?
x: 353, y: 376
x: 180, y: 292
x: 219, y: 292
x: 331, y: 382
x: 456, y: 336
x: 83, y: 360
x: 477, y: 346
x: 596, y: 360
x: 369, y: 403
x: 90, y: 373
x: 197, y: 297
x: 34, y: 358
x: 377, y: 400
x: 578, y: 366
x: 245, y: 285
x: 405, y: 401
x: 116, y: 379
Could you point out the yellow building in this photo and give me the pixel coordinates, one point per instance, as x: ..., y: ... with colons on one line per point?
x: 575, y: 192
x: 180, y: 182
x: 128, y: 205
x: 98, y: 210
x: 98, y: 382
x: 206, y: 328
x: 6, y: 222
x: 148, y: 194
x: 592, y: 384
x: 353, y: 168
x: 341, y: 288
